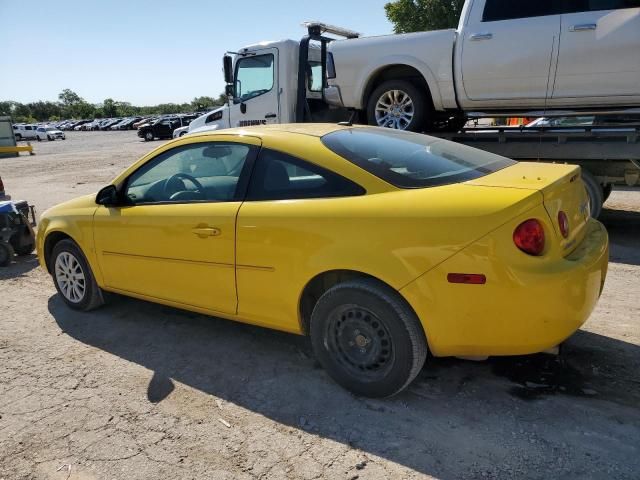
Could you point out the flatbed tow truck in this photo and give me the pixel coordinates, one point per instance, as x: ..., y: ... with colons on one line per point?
x: 285, y: 82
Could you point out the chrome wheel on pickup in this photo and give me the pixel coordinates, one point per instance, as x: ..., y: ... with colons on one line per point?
x: 397, y: 104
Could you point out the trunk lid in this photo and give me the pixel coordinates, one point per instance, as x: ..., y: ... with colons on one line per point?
x: 562, y: 190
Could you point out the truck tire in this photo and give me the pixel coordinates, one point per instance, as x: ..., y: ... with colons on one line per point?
x: 398, y: 104
x: 367, y: 338
x: 595, y: 193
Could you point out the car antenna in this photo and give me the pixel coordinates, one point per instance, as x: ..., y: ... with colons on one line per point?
x: 349, y: 123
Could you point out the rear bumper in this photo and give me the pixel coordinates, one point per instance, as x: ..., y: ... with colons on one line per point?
x: 523, y: 308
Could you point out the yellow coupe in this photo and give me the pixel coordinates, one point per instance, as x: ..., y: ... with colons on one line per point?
x: 380, y: 244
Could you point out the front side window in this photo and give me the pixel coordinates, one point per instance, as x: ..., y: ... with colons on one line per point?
x: 411, y: 160
x: 278, y: 176
x: 496, y: 10
x: 254, y: 76
x: 201, y: 172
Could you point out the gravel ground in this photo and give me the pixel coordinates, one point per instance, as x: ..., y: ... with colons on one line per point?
x: 141, y: 391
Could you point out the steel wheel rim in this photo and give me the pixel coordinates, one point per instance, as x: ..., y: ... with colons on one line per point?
x: 394, y: 109
x: 360, y: 342
x: 70, y: 277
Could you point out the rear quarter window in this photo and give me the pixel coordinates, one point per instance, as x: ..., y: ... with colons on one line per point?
x: 411, y: 160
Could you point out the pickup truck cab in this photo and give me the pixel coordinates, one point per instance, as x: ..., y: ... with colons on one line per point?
x: 504, y: 56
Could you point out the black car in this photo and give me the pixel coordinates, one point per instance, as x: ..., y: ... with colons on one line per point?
x: 164, y: 127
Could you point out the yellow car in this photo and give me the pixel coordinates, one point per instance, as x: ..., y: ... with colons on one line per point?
x: 381, y: 245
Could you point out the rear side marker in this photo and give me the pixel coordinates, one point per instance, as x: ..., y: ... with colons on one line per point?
x: 468, y: 278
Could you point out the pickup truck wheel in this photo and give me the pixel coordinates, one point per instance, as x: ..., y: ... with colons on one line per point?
x: 595, y: 193
x: 367, y: 338
x: 18, y: 137
x: 398, y: 104
x: 148, y: 137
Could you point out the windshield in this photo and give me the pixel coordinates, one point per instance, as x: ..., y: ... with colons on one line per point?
x: 254, y: 76
x: 411, y: 160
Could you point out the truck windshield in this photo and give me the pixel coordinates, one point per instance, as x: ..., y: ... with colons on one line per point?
x: 254, y: 76
x: 411, y: 160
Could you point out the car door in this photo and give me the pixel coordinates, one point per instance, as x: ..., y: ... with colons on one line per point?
x: 507, y: 49
x: 599, y: 53
x: 173, y: 238
x: 278, y: 229
x: 256, y: 93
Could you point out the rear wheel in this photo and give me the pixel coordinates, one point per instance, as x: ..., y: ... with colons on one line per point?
x: 398, y: 104
x: 73, y: 277
x: 367, y: 338
x: 595, y: 193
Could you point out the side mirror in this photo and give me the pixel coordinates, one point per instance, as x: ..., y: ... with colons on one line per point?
x: 108, y: 196
x: 227, y: 63
x: 229, y: 90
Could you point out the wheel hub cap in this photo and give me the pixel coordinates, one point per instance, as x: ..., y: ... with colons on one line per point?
x: 360, y: 342
x: 70, y: 277
x: 394, y: 109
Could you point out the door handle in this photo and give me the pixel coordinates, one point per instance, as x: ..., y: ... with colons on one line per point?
x: 204, y: 232
x: 583, y: 27
x: 481, y: 36
x: 270, y: 115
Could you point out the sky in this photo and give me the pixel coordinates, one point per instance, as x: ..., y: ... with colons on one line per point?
x: 149, y: 52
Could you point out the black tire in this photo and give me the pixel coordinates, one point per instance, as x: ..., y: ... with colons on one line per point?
x: 6, y: 254
x: 38, y: 138
x: 421, y: 105
x: 367, y: 338
x: 91, y: 296
x: 606, y: 192
x: 49, y: 138
x: 148, y: 136
x: 595, y: 193
x: 182, y: 134
x: 18, y: 137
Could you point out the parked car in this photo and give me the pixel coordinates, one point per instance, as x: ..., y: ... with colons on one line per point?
x: 49, y: 133
x: 126, y: 124
x: 108, y: 124
x: 24, y: 132
x: 180, y: 131
x: 496, y: 60
x: 142, y: 121
x: 164, y: 127
x: 379, y: 244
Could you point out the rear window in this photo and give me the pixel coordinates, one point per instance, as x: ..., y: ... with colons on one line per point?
x: 411, y: 160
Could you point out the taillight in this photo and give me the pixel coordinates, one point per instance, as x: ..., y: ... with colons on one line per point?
x: 563, y: 222
x: 529, y: 237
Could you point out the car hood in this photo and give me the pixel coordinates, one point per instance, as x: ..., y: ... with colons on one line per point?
x: 73, y: 206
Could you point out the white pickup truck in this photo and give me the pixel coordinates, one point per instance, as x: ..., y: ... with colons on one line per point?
x: 504, y: 56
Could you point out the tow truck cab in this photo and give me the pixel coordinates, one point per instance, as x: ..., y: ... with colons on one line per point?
x: 277, y: 82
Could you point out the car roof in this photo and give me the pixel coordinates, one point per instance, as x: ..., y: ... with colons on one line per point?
x: 312, y: 129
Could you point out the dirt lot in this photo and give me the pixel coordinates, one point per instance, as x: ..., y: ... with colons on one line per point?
x: 140, y: 391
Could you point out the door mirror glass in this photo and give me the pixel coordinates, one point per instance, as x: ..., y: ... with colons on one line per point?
x: 227, y: 64
x: 108, y: 196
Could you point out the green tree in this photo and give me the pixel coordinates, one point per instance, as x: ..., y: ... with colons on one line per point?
x: 109, y: 108
x: 421, y: 15
x: 69, y: 98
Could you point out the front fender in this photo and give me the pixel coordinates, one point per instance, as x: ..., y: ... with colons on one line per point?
x: 364, y: 79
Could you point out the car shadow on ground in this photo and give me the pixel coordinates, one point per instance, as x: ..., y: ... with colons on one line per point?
x: 624, y: 235
x: 457, y: 417
x: 19, y: 267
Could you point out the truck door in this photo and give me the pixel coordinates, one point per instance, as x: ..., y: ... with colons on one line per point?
x: 599, y: 50
x: 256, y: 92
x: 507, y: 51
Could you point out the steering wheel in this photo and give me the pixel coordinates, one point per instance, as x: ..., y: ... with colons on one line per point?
x: 175, y: 184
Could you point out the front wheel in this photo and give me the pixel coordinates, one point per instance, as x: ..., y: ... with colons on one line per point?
x: 73, y: 277
x: 6, y: 253
x: 148, y: 137
x: 367, y: 338
x: 398, y: 104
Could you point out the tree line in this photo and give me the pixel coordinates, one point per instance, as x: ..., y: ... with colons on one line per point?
x: 72, y: 105
x: 406, y: 16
